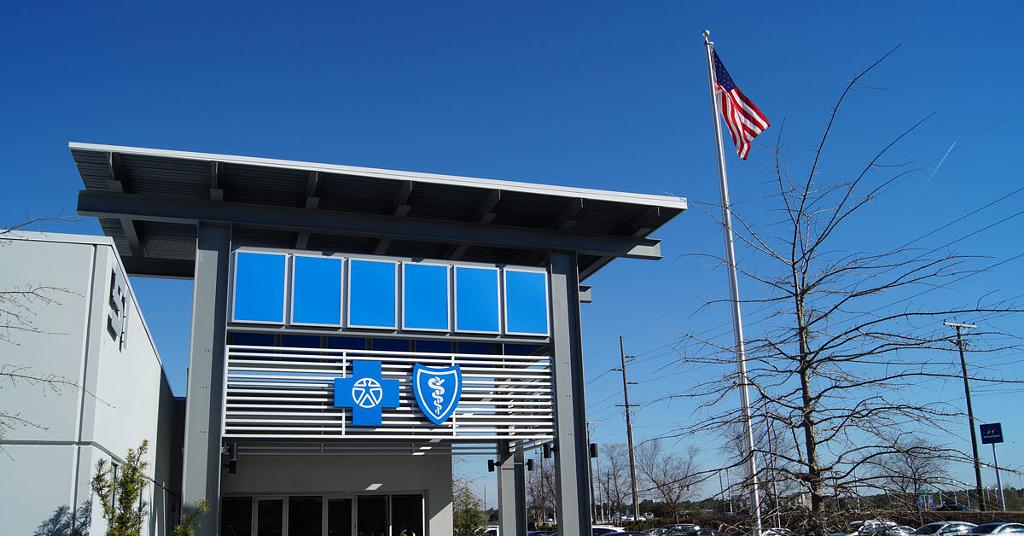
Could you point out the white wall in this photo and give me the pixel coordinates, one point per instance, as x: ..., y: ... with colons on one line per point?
x: 114, y: 399
x: 316, y: 475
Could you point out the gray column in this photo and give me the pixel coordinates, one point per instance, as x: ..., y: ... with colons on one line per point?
x: 203, y: 412
x: 572, y: 472
x: 511, y: 490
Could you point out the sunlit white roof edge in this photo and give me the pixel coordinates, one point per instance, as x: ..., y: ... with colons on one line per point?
x: 666, y: 201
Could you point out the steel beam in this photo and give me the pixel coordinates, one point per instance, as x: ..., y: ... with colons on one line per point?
x: 312, y: 201
x: 400, y: 208
x: 511, y: 490
x: 170, y: 268
x: 484, y: 214
x: 572, y: 468
x: 216, y: 188
x: 190, y: 211
x: 201, y: 466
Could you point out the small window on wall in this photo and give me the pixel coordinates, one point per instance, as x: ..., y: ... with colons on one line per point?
x: 425, y: 297
x: 372, y: 293
x: 316, y: 290
x: 407, y: 514
x: 526, y: 302
x: 259, y: 287
x: 236, y: 516
x: 476, y: 300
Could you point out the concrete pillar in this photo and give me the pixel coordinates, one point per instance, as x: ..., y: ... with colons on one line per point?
x: 511, y: 490
x: 203, y: 412
x: 572, y: 472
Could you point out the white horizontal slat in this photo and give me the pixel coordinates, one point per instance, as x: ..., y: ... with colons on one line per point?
x: 287, y: 393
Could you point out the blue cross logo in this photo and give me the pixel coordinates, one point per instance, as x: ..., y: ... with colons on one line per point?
x: 366, y: 392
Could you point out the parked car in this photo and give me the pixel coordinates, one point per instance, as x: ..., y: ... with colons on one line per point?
x: 600, y: 530
x: 998, y: 528
x: 944, y: 528
x: 677, y: 529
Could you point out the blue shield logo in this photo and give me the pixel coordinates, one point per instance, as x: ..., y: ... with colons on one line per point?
x: 437, y: 390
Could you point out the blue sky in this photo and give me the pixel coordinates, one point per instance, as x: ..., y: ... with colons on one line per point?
x: 598, y: 94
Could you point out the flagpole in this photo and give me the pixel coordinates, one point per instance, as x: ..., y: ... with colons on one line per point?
x: 734, y: 288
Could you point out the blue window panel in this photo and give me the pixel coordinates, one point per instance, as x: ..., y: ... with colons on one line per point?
x: 346, y: 343
x: 372, y: 294
x: 476, y: 299
x: 522, y: 349
x: 526, y: 303
x: 477, y: 348
x: 437, y: 347
x: 300, y: 341
x: 316, y: 290
x: 425, y: 297
x: 253, y: 339
x: 390, y: 345
x: 259, y: 288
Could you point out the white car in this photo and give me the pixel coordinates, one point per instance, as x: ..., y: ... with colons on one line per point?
x: 998, y: 528
x: 944, y: 528
x: 599, y: 530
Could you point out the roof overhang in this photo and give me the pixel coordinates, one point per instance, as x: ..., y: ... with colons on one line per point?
x: 149, y: 201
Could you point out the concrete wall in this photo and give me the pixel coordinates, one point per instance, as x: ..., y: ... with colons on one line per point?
x: 106, y: 399
x: 316, y: 475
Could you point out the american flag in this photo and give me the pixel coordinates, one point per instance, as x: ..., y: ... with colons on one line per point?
x: 744, y: 119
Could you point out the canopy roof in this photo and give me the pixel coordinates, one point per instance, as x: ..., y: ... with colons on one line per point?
x: 149, y: 200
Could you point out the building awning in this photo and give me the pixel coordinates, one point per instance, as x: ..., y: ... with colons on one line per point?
x: 149, y: 201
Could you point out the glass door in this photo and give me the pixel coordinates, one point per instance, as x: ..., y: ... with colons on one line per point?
x: 269, y: 517
x: 372, y: 515
x: 339, y: 517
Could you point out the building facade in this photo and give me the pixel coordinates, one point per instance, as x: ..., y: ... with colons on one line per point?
x: 76, y: 326
x: 353, y: 329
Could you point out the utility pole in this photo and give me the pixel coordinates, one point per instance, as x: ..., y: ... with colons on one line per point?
x: 629, y: 430
x: 970, y: 409
x: 590, y: 460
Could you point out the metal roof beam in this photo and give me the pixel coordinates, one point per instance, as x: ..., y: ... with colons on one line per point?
x: 116, y: 184
x: 191, y: 211
x: 312, y: 201
x: 216, y: 188
x: 643, y: 224
x: 399, y: 209
x: 171, y: 268
x: 485, y: 214
x: 567, y: 217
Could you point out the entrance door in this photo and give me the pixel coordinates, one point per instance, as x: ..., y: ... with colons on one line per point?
x: 269, y: 517
x: 339, y: 517
x: 319, y: 515
x: 372, y: 515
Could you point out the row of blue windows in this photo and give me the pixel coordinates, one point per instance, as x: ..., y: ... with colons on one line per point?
x: 391, y: 345
x: 313, y: 287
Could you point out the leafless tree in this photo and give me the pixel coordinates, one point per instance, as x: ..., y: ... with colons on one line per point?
x: 915, y: 466
x: 612, y: 474
x: 20, y: 307
x: 670, y: 476
x: 540, y: 491
x: 846, y: 354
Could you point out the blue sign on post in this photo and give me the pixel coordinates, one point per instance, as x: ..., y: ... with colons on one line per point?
x: 991, y: 433
x: 366, y: 392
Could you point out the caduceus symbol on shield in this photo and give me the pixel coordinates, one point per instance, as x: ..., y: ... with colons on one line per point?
x: 437, y: 391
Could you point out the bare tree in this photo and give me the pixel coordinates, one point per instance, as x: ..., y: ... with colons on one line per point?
x: 847, y: 350
x: 612, y: 474
x: 20, y: 307
x: 915, y: 466
x: 540, y: 491
x: 671, y: 475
